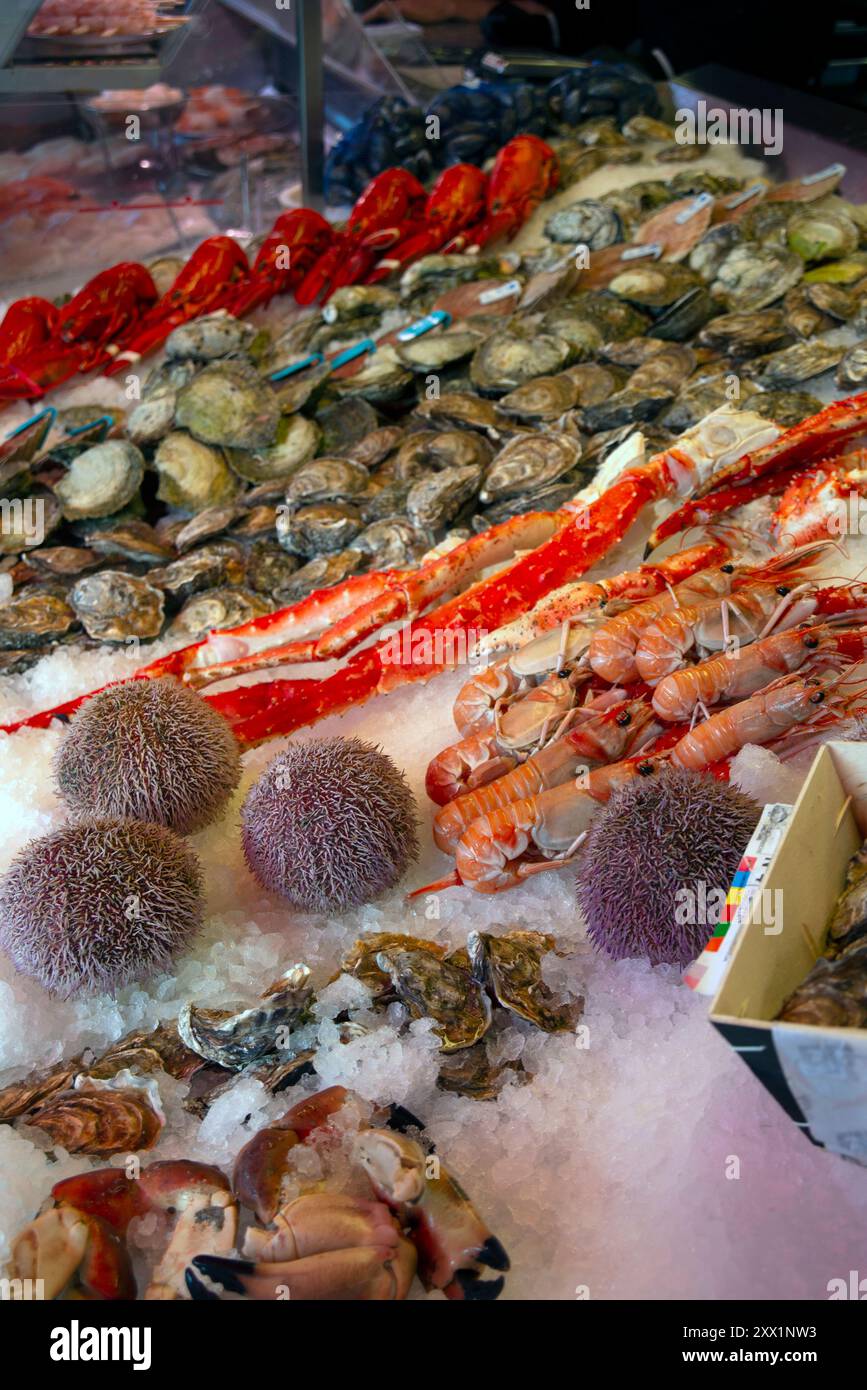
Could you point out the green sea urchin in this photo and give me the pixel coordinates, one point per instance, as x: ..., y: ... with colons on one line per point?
x: 658, y: 862
x: 148, y: 750
x: 99, y: 903
x: 330, y: 824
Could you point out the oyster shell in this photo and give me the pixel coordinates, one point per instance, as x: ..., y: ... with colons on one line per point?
x: 432, y: 449
x: 102, y: 480
x: 192, y: 475
x: 361, y: 959
x: 752, y: 276
x: 320, y: 573
x: 507, y: 359
x: 295, y: 444
x: 269, y: 566
x: 212, y: 335
x: 461, y: 410
x: 434, y: 501
x: 221, y: 562
x: 438, y: 989
x: 852, y: 368
x: 63, y: 560
x: 393, y: 543
x: 434, y: 352
x: 321, y: 529
x: 235, y: 1038
x: 158, y: 1050
x: 129, y: 540
x: 21, y: 1096
x: 99, y: 1120
x: 787, y: 408
x: 113, y: 606
x: 376, y: 446
x: 707, y: 255
x: 626, y: 407
x: 654, y: 286
x: 327, y: 480
x: 698, y: 398
x: 746, y: 334
x: 588, y: 222
x: 217, y: 609
x: 796, y: 363
x: 593, y: 382
x: 544, y: 398
x: 26, y: 526
x: 229, y: 403
x: 822, y: 233
x: 256, y: 522
x: 530, y: 462
x: 354, y: 302
x: 345, y: 424
x: 834, y: 994
x: 668, y: 368
x: 510, y: 966
x: 211, y: 522
x: 471, y: 1073
x: 31, y: 619
x: 382, y: 379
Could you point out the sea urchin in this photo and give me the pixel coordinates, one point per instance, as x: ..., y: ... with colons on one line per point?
x: 330, y: 824
x: 99, y: 903
x: 658, y: 862
x: 148, y: 750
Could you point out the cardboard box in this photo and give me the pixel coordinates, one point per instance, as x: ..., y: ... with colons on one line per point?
x: 818, y: 1075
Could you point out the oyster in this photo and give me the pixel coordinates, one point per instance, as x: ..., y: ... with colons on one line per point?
x: 63, y: 560
x: 113, y: 606
x: 438, y: 989
x: 212, y: 335
x: 626, y: 407
x: 383, y: 377
x: 431, y: 449
x: 752, y: 276
x: 544, y: 398
x: 99, y: 1120
x: 129, y: 540
x: 802, y: 317
x: 471, y: 1073
x: 507, y: 359
x: 21, y: 1096
x: 392, y: 543
x: 295, y: 444
x: 192, y: 475
x: 34, y: 617
x: 461, y: 410
x: 229, y: 403
x: 269, y: 566
x: 221, y: 562
x: 295, y: 392
x: 786, y: 408
x: 834, y: 994
x: 235, y: 1038
x: 101, y: 480
x: 698, y: 398
x: 354, y: 302
x: 321, y: 529
x: 345, y: 424
x: 669, y: 368
x: 320, y: 573
x: 654, y: 286
x: 436, y: 500
x: 686, y: 315
x: 587, y: 223
x: 852, y: 368
x: 327, y: 479
x: 361, y: 959
x: 822, y: 233
x: 256, y: 522
x: 708, y: 254
x: 510, y: 966
x: 593, y: 381
x: 384, y: 499
x: 832, y: 300
x: 529, y: 462
x: 154, y: 415
x: 211, y: 522
x: 217, y: 609
x: 159, y: 1050
x: 435, y: 352
x: 376, y: 446
x: 796, y: 363
x: 745, y: 334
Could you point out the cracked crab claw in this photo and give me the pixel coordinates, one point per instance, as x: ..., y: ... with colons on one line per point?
x: 73, y: 1255
x: 325, y: 1246
x: 196, y: 1198
x: 455, y: 1248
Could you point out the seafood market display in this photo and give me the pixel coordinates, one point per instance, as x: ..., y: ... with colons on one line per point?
x: 526, y: 511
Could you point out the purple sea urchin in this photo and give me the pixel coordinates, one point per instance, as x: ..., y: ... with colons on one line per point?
x: 99, y: 903
x: 330, y: 824
x: 658, y: 863
x: 151, y: 751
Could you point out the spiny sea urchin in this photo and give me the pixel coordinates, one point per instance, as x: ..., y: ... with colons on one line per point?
x: 663, y: 851
x: 99, y: 903
x: 330, y: 824
x: 148, y: 750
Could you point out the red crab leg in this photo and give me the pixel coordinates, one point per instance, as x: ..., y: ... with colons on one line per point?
x: 700, y: 511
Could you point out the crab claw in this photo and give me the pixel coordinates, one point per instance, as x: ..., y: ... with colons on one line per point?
x: 455, y: 1247
x: 74, y: 1255
x: 261, y: 1163
x: 363, y: 1272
